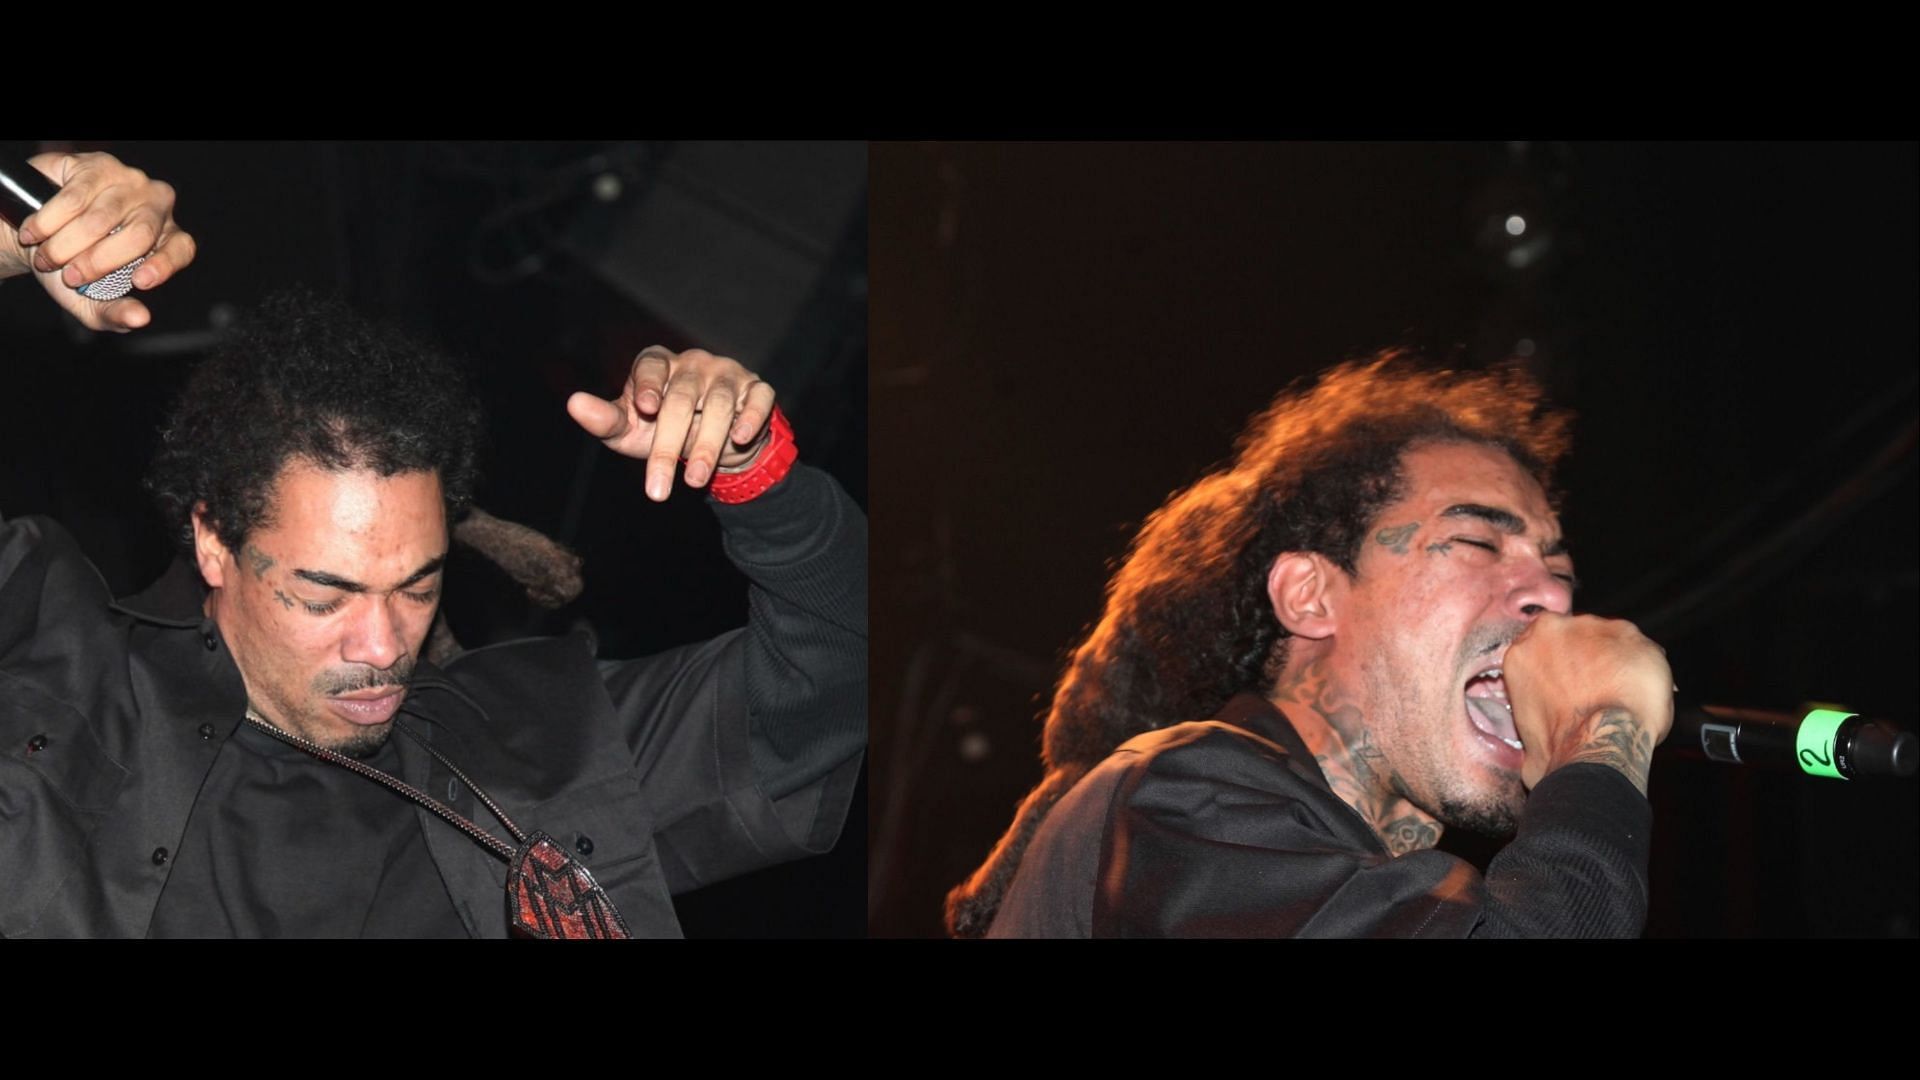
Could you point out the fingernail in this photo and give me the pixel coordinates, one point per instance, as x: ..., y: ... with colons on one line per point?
x: 656, y: 488
x: 143, y: 278
x: 72, y: 276
x: 649, y: 400
x: 697, y: 473
x: 27, y: 237
x: 42, y: 263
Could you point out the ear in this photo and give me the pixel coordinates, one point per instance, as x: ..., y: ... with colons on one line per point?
x: 211, y: 555
x: 1304, y: 590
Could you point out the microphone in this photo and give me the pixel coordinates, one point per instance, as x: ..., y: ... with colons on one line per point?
x: 23, y: 190
x: 1817, y: 740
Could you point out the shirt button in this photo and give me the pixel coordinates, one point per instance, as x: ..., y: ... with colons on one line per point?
x: 211, y: 641
x: 206, y: 731
x: 583, y: 844
x: 37, y: 744
x: 159, y: 856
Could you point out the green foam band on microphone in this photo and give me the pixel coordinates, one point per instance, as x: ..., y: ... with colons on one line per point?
x: 1814, y: 741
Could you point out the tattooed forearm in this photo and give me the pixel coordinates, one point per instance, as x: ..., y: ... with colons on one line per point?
x: 1619, y: 741
x: 259, y: 560
x: 1395, y: 539
x: 285, y: 600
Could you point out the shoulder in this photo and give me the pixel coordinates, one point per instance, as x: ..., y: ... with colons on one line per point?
x: 40, y: 560
x: 1212, y: 750
x: 1179, y: 768
x: 502, y: 663
x: 54, y: 608
x: 552, y: 680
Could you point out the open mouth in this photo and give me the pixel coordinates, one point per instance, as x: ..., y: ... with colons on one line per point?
x: 1489, y: 710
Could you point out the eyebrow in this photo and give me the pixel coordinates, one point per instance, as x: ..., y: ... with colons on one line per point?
x: 1505, y: 520
x: 334, y: 581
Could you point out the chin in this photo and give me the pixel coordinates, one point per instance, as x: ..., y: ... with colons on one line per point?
x: 1494, y: 815
x: 353, y: 740
x: 362, y: 742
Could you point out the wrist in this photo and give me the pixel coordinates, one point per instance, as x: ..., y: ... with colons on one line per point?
x: 1614, y: 736
x: 754, y: 453
x: 14, y: 260
x: 767, y: 467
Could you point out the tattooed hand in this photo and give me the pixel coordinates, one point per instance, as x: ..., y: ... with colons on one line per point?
x: 1585, y: 688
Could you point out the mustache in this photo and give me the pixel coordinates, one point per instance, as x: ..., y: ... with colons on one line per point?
x: 329, y: 683
x: 1486, y: 639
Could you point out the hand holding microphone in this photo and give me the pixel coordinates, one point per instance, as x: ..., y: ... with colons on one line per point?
x: 1588, y: 689
x: 79, y: 218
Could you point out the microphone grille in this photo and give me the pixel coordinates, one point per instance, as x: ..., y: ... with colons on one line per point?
x: 114, y: 285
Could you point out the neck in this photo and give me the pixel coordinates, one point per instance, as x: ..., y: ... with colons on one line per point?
x: 1333, y: 725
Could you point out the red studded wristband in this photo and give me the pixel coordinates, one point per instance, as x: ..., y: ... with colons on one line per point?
x: 775, y: 460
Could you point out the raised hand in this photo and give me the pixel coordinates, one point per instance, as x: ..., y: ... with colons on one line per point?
x: 694, y: 406
x: 106, y: 215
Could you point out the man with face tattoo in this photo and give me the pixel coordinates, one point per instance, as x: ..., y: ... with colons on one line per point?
x: 207, y: 758
x: 1356, y: 634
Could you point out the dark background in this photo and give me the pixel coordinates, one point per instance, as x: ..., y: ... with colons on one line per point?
x: 1064, y: 334
x: 547, y: 266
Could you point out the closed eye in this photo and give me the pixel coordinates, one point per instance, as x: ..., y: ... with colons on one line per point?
x: 1572, y: 582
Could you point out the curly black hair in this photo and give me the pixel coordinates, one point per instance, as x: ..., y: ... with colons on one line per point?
x: 306, y: 377
x: 1188, y: 623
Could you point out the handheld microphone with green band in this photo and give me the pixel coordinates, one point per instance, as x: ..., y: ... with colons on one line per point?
x: 1819, y: 740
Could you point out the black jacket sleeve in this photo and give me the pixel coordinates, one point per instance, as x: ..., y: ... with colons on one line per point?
x: 753, y: 740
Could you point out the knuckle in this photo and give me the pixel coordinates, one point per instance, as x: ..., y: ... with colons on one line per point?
x: 144, y: 231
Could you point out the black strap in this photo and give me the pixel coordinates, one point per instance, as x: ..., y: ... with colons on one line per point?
x: 485, y: 839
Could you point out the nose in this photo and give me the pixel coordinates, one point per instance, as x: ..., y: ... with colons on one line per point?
x: 1538, y: 591
x: 374, y: 637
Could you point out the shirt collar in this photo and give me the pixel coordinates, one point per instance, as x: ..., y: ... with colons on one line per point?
x: 177, y: 599
x: 1251, y: 712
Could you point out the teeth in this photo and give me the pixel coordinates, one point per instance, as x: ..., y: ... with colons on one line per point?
x: 1515, y: 743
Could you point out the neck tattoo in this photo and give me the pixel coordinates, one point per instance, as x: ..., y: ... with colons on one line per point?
x: 1337, y: 734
